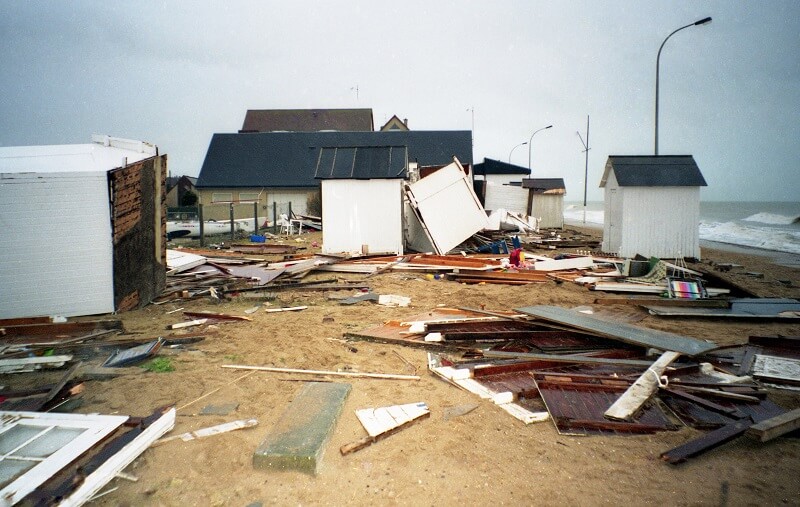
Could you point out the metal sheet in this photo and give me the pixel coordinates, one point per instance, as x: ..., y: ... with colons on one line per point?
x: 629, y: 334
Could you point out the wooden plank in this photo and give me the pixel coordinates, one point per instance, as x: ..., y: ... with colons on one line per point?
x: 572, y: 358
x: 384, y: 421
x: 564, y: 264
x: 387, y: 376
x: 215, y: 316
x: 765, y: 431
x: 210, y: 431
x: 632, y: 400
x: 62, y: 328
x: 706, y: 442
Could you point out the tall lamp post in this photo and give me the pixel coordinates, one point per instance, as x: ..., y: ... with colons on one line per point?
x: 514, y: 148
x: 530, y: 141
x: 703, y: 21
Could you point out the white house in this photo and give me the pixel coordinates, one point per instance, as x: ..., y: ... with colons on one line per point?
x: 546, y: 201
x: 81, y: 227
x: 652, y: 206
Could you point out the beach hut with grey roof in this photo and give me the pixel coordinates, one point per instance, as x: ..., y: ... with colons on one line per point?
x: 652, y: 206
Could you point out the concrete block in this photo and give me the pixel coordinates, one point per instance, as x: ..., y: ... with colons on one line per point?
x: 298, y: 439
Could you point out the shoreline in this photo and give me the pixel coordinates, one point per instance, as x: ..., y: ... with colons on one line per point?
x: 786, y: 259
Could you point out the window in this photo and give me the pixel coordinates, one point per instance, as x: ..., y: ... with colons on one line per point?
x: 248, y: 196
x: 221, y: 197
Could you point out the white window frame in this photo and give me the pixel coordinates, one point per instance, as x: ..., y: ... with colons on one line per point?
x: 95, y: 428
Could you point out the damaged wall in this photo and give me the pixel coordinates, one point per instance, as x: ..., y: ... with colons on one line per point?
x: 138, y: 215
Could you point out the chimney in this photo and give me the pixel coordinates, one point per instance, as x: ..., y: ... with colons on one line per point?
x: 405, y: 122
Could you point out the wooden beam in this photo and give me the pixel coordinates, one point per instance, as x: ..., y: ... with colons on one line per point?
x: 323, y: 372
x: 765, y: 431
x: 632, y: 400
x: 708, y: 441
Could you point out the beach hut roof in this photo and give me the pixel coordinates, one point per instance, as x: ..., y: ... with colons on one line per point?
x: 654, y: 171
x: 489, y: 166
x: 545, y: 185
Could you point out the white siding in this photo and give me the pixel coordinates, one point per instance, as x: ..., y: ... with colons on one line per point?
x: 362, y: 212
x: 659, y: 222
x: 298, y: 198
x: 56, y: 254
x: 501, y: 195
x: 550, y: 209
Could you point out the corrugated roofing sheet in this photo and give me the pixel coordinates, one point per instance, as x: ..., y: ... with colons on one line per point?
x: 661, y: 340
x: 378, y: 162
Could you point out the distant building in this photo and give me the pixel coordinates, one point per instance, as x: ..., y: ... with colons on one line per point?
x: 652, y: 206
x: 279, y: 167
x: 499, y: 185
x: 177, y: 188
x: 395, y: 123
x: 307, y: 120
x: 84, y: 228
x: 546, y: 201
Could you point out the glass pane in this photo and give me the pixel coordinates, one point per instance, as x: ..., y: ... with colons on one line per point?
x: 16, y: 436
x: 50, y: 442
x: 11, y: 469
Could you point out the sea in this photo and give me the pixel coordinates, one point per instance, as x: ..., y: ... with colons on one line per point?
x: 762, y: 228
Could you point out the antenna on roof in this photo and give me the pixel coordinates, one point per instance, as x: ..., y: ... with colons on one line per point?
x: 356, y: 89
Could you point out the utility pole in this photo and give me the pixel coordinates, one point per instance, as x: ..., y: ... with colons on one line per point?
x: 586, y: 169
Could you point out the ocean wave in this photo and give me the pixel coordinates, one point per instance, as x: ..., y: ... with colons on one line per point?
x: 756, y: 237
x: 575, y: 215
x: 772, y: 219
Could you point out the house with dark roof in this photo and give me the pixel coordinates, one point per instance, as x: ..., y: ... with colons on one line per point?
x: 278, y: 170
x: 180, y: 190
x: 499, y: 185
x: 307, y: 120
x: 546, y: 201
x: 395, y: 123
x: 652, y: 206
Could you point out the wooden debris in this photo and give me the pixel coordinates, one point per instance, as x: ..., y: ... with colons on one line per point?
x: 765, y: 431
x: 384, y: 421
x: 191, y: 323
x: 632, y: 400
x: 388, y: 376
x: 210, y: 431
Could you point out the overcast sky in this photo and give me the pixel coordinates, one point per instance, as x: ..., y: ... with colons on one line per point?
x: 174, y: 73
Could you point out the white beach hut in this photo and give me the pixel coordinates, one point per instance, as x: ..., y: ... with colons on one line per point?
x: 652, y: 206
x: 81, y: 227
x: 362, y: 198
x: 546, y: 201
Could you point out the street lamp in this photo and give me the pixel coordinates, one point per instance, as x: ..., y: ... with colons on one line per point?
x: 531, y: 141
x: 514, y: 148
x: 703, y: 21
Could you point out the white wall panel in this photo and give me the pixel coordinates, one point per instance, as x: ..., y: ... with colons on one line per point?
x: 362, y: 212
x: 550, y: 209
x: 56, y: 254
x: 501, y: 195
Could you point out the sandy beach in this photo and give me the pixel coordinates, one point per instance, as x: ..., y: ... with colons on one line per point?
x: 485, y: 457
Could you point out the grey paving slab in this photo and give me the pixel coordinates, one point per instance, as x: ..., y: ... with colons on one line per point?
x: 297, y: 441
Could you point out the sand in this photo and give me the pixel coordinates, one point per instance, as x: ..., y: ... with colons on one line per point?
x: 485, y: 457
